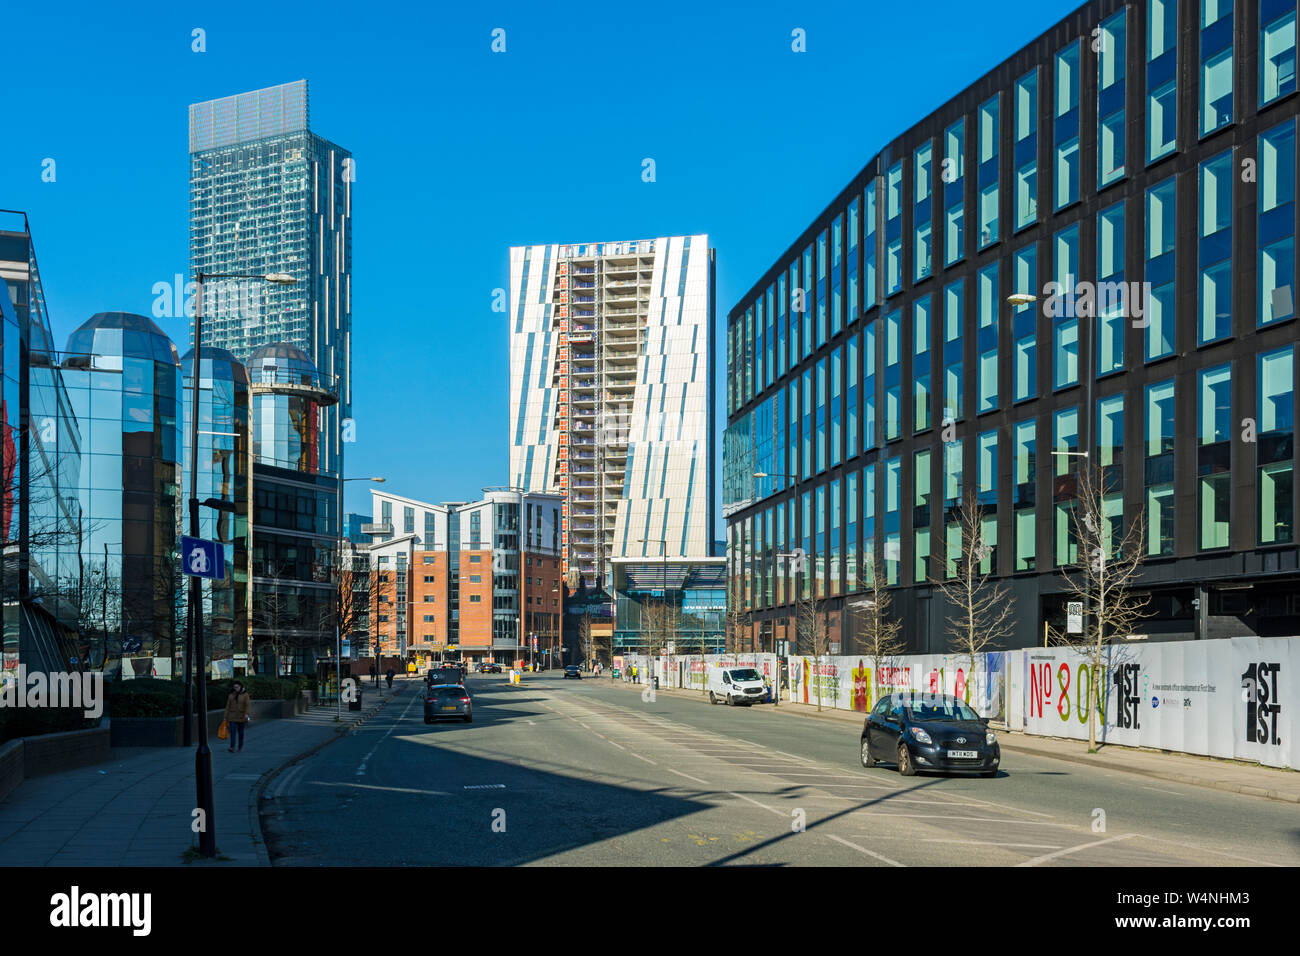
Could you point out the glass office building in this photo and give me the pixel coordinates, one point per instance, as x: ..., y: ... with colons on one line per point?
x: 295, y: 513
x: 122, y: 375
x: 695, y: 593
x: 224, y: 443
x: 1134, y: 169
x: 269, y: 195
x: 44, y: 626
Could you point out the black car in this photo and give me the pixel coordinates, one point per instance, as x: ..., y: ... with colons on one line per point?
x: 929, y: 732
x: 572, y: 671
x: 489, y: 668
x: 442, y: 701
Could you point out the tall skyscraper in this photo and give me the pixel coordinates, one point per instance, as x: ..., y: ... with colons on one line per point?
x: 269, y: 195
x: 611, y: 401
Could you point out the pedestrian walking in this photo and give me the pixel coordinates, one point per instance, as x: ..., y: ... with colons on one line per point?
x: 389, y: 678
x: 238, y: 707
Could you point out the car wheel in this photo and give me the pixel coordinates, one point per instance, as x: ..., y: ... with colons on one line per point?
x: 905, y: 766
x: 428, y: 720
x: 868, y: 761
x: 712, y: 698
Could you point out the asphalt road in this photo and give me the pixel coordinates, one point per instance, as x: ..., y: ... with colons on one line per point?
x: 585, y: 773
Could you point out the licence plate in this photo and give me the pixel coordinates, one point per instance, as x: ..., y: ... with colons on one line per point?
x: 449, y: 708
x: 963, y: 754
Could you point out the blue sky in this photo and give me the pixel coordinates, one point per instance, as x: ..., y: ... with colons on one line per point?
x: 462, y: 152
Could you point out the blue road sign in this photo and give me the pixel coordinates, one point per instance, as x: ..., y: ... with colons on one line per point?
x: 202, y: 558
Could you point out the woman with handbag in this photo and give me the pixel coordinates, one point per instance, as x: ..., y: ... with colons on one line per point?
x: 238, y: 706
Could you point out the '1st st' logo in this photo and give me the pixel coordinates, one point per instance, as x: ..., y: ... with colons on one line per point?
x: 1126, y: 682
x: 1262, y: 707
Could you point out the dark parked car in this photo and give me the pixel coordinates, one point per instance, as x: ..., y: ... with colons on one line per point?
x: 447, y: 700
x: 572, y: 671
x: 489, y: 668
x: 929, y: 732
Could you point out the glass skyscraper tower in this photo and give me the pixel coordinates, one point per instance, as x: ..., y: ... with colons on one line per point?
x: 269, y: 195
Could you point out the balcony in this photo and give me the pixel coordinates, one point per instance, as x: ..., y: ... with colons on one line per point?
x: 383, y: 527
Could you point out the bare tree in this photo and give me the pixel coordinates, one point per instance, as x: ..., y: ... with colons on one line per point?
x: 982, y: 610
x: 812, y: 630
x: 270, y: 612
x: 585, y: 646
x: 881, y: 637
x: 739, y: 620
x: 1111, y: 554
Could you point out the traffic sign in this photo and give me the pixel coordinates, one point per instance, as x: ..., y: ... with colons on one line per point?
x: 202, y: 558
x: 1074, y: 617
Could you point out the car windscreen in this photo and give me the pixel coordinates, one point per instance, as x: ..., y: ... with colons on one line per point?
x: 444, y: 677
x: 745, y: 673
x: 941, y: 708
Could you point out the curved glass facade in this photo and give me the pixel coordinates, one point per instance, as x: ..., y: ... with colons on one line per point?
x: 224, y: 440
x: 122, y: 375
x: 290, y: 396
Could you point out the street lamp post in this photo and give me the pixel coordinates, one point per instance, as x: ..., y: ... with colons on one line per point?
x: 203, y: 756
x: 338, y: 596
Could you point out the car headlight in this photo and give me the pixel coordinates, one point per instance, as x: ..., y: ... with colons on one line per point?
x: 990, y: 739
x: 921, y: 735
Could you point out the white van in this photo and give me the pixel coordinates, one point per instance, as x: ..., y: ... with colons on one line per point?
x: 736, y: 685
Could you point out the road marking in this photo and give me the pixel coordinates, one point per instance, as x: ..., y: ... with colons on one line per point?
x: 242, y: 776
x: 361, y: 770
x: 689, y: 777
x: 284, y: 786
x: 1029, y: 846
x: 1172, y: 793
x: 639, y: 757
x: 949, y: 816
x: 484, y: 786
x: 1074, y: 849
x: 532, y: 723
x: 862, y: 849
x: 371, y: 786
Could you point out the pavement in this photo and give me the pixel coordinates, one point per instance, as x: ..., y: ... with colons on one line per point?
x: 1232, y: 776
x: 137, y: 809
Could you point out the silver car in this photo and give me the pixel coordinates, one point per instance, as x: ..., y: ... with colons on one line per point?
x: 443, y: 701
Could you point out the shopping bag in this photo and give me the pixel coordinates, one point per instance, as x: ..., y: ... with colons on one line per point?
x: 223, y: 732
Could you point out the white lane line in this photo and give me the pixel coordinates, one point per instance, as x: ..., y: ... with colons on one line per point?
x: 1172, y: 793
x: 370, y: 786
x: 1034, y: 861
x: 829, y: 836
x: 639, y: 757
x: 285, y: 786
x: 1027, y: 846
x: 688, y: 776
x: 532, y: 723
x: 862, y: 849
x: 949, y: 816
x: 361, y: 770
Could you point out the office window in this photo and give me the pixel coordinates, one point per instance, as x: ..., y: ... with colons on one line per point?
x: 1024, y: 493
x: 1067, y: 125
x: 797, y: 307
x: 748, y: 358
x: 869, y: 247
x: 806, y: 429
x: 987, y: 181
x: 837, y: 270
x: 1065, y: 468
x: 851, y: 563
x: 922, y: 212
x: 1026, y: 149
x: 1110, y: 459
x: 851, y: 260
x: 837, y: 392
x: 1065, y: 324
x: 819, y: 543
x: 1214, y: 454
x: 769, y: 313
x: 1159, y: 478
x: 1276, y: 192
x: 869, y: 385
x: 892, y: 553
x: 851, y: 399
x: 792, y: 433
x: 1275, y: 447
x: 1276, y: 49
x: 894, y: 229
x: 837, y: 543
x: 808, y: 305
x: 1162, y: 75
x: 1216, y: 65
x: 953, y: 175
x: 821, y: 415
x: 952, y: 497
x: 953, y: 296
x: 1111, y: 290
x: 806, y: 530
x: 781, y: 319
x: 821, y: 288
x: 1161, y: 235
x: 921, y: 517
x: 1112, y: 44
x: 893, y: 374
x: 987, y: 338
x: 1214, y: 250
x: 869, y: 561
x: 760, y: 341
x: 921, y: 394
x: 1024, y: 324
